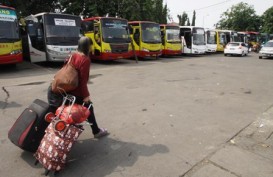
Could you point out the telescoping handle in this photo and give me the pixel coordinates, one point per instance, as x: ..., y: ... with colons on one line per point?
x: 90, y: 104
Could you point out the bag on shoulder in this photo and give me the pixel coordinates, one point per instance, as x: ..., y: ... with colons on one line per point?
x: 66, y: 78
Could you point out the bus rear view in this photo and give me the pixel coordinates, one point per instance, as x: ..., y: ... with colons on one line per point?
x: 51, y: 37
x: 10, y: 42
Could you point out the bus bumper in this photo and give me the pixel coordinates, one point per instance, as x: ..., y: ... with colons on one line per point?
x: 112, y: 56
x: 144, y: 54
x: 171, y: 52
x: 11, y: 59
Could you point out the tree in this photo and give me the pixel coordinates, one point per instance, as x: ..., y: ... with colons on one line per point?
x: 193, y: 18
x: 240, y: 17
x: 188, y: 22
x: 267, y: 22
x: 182, y: 19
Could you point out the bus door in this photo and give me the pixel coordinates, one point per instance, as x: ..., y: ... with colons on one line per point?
x: 136, y: 38
x: 36, y: 41
x: 98, y: 39
x: 187, y: 42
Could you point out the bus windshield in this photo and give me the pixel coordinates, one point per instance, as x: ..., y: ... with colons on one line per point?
x: 198, y: 36
x: 172, y: 34
x: 62, y: 29
x: 9, y: 29
x: 151, y: 33
x: 235, y: 37
x: 211, y: 36
x: 115, y: 31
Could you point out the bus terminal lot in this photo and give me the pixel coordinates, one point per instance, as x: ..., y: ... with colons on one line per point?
x: 199, y: 116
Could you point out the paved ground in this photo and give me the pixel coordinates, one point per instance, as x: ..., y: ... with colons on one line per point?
x: 208, y: 116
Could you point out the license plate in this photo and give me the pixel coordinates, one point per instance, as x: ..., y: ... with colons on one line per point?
x: 231, y: 48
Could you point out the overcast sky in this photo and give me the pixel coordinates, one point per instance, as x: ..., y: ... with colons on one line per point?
x: 208, y: 12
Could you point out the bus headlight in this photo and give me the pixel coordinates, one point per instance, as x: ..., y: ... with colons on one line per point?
x: 145, y: 50
x: 107, y: 51
x: 15, y: 52
x: 52, y: 52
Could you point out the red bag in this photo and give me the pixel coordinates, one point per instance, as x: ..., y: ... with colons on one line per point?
x: 73, y: 114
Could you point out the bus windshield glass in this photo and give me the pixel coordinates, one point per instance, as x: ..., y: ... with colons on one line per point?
x: 235, y: 37
x: 172, y: 33
x: 198, y: 36
x: 62, y: 29
x: 9, y: 29
x: 151, y: 33
x: 115, y: 30
x: 211, y: 36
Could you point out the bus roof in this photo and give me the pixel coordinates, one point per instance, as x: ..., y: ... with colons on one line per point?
x: 251, y: 32
x: 50, y: 13
x: 131, y: 22
x: 98, y: 18
x: 6, y: 7
x: 191, y: 27
x: 169, y: 25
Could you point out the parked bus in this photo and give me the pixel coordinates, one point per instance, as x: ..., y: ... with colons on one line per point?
x: 51, y: 37
x: 242, y: 37
x: 10, y: 42
x: 146, y: 38
x: 171, y: 42
x: 264, y: 37
x: 232, y: 36
x: 110, y: 38
x: 211, y: 44
x: 193, y: 40
x: 221, y: 40
x: 253, y: 37
x: 223, y: 37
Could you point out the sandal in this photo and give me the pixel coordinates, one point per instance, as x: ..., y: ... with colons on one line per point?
x: 103, y: 132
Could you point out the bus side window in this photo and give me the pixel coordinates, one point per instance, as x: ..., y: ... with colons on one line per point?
x: 136, y: 36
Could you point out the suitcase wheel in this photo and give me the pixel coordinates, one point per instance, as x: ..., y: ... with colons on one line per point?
x: 47, y: 172
x: 56, y: 172
x: 36, y: 162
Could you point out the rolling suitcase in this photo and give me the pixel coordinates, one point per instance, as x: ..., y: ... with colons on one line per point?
x: 29, y: 129
x: 55, y: 146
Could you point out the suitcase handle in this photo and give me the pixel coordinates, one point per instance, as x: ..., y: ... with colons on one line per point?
x: 90, y: 104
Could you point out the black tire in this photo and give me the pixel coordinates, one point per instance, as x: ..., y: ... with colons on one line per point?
x: 225, y: 54
x: 260, y: 57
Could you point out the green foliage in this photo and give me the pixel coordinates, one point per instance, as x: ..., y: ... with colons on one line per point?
x: 150, y: 10
x: 193, y: 18
x: 240, y: 17
x: 267, y: 21
x: 182, y: 19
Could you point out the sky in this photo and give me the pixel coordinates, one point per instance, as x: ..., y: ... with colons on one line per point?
x: 208, y: 12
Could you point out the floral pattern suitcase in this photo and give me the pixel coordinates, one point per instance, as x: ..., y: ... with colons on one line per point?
x: 55, y: 146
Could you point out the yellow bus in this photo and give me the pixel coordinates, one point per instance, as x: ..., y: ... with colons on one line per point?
x: 110, y: 38
x: 225, y: 36
x: 146, y: 38
x: 10, y: 41
x: 171, y: 42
